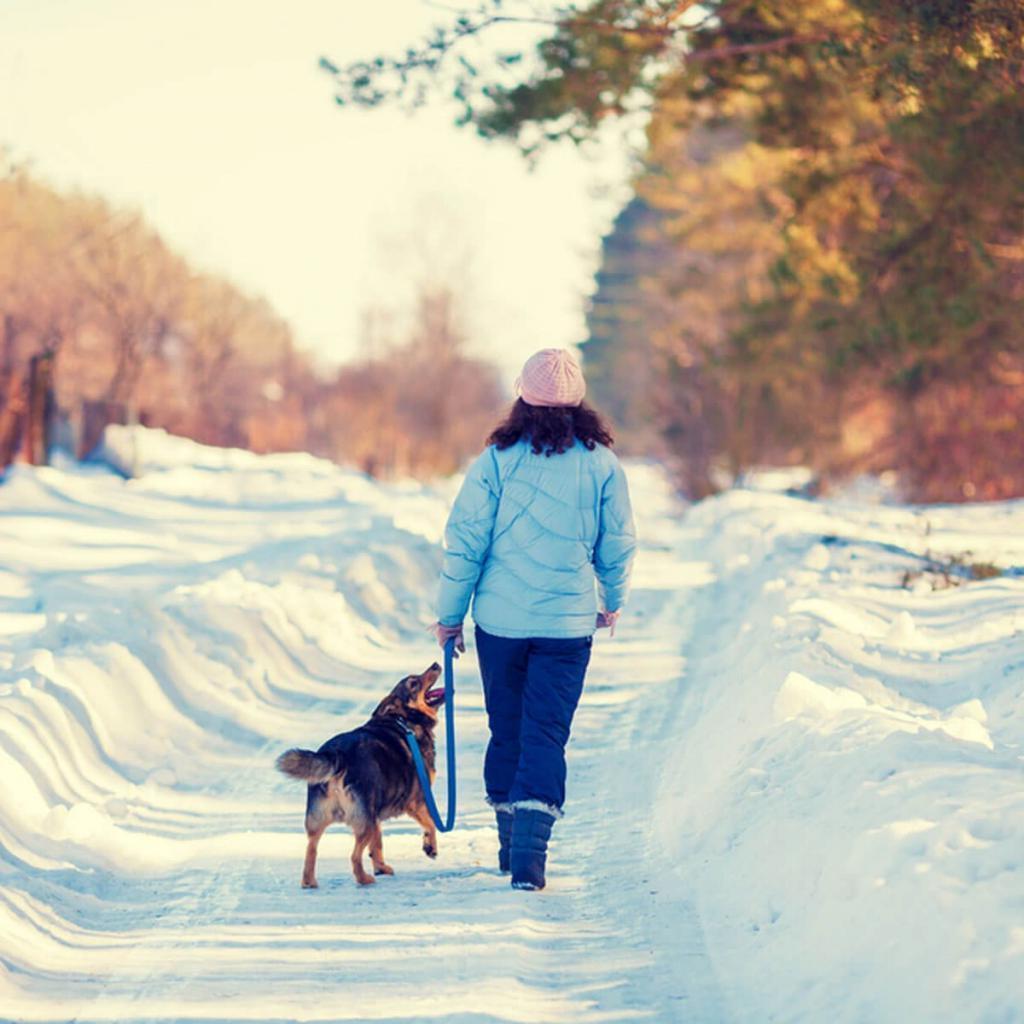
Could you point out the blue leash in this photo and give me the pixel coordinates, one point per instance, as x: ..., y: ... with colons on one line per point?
x: 449, y: 731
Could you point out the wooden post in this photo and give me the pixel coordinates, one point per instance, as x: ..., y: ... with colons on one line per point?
x: 12, y: 417
x: 41, y: 408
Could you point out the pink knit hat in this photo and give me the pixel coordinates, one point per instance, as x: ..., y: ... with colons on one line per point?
x: 551, y: 377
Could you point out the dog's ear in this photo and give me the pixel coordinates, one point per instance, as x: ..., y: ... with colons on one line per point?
x: 394, y: 703
x: 390, y: 705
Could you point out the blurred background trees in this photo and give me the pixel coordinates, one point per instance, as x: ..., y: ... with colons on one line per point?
x: 94, y: 304
x: 825, y: 260
x: 417, y: 405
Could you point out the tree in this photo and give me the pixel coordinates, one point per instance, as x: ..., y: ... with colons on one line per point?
x: 136, y: 285
x: 134, y: 332
x: 419, y: 406
x: 840, y: 194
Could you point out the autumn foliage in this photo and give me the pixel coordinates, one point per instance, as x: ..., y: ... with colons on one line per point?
x: 132, y: 333
x: 825, y: 260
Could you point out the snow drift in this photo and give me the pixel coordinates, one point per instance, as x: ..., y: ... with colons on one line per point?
x: 794, y: 784
x: 849, y: 805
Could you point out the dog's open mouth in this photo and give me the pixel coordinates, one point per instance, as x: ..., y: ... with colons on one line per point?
x: 434, y: 698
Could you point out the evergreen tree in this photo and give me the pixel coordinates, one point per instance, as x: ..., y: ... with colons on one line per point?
x: 840, y: 215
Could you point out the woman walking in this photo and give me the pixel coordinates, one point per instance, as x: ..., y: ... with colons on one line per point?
x: 543, y: 512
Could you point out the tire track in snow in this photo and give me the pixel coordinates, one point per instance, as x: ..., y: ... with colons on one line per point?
x: 188, y: 907
x: 673, y: 978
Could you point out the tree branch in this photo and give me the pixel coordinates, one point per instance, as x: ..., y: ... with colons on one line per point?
x: 770, y: 46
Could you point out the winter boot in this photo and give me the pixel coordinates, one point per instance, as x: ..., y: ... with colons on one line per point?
x: 504, y: 819
x: 531, y: 831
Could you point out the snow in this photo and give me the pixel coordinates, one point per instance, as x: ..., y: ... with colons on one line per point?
x: 851, y: 813
x: 795, y: 785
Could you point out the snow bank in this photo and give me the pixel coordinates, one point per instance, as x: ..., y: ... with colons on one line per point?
x: 153, y: 630
x: 846, y: 796
x: 162, y: 638
x: 795, y: 786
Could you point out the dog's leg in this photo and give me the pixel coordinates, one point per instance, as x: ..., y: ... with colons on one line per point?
x: 419, y: 812
x: 309, y: 867
x: 377, y: 853
x: 364, y: 837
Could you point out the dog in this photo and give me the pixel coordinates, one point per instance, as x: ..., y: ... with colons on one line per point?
x: 367, y: 775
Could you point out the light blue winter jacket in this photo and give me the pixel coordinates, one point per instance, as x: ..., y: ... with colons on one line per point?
x: 529, y: 533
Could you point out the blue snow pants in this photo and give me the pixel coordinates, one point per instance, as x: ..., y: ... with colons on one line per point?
x: 531, y: 689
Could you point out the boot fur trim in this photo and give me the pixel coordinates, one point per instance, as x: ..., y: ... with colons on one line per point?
x: 538, y: 805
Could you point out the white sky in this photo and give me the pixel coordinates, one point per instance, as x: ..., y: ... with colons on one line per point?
x: 212, y: 118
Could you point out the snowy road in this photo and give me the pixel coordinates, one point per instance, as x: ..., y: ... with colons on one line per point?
x: 168, y: 637
x: 784, y: 764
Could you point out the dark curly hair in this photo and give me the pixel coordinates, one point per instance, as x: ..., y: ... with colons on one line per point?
x: 551, y: 430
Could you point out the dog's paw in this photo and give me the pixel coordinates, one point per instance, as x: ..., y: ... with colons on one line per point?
x: 430, y: 850
x: 310, y: 883
x: 384, y: 869
x: 365, y: 879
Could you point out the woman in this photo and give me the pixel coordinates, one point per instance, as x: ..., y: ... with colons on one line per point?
x: 541, y: 513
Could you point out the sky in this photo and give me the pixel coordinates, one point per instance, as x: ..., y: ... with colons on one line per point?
x: 212, y: 118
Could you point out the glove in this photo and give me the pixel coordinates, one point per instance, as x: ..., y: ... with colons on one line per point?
x: 445, y: 633
x: 607, y: 620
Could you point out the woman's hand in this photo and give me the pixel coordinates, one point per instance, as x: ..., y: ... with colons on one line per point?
x: 607, y: 620
x: 445, y: 633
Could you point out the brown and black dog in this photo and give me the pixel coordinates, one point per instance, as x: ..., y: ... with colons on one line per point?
x: 367, y: 775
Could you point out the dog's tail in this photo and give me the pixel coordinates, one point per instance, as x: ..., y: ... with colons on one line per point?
x: 306, y: 765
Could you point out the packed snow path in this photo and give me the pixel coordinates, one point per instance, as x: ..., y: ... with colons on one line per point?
x: 795, y: 786
x: 168, y: 637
